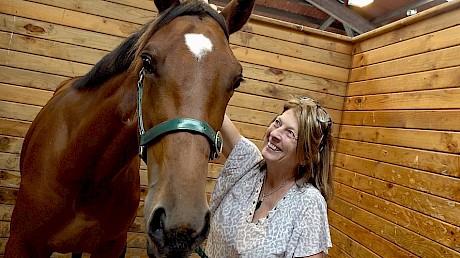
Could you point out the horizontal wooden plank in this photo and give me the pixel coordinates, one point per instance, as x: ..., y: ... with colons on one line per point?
x: 443, y: 186
x: 344, y: 246
x: 58, y: 33
x: 416, y: 119
x: 281, y: 92
x: 251, y: 101
x: 440, y: 208
x: 422, y: 44
x: 43, y: 47
x: 42, y: 64
x: 438, y: 59
x: 8, y: 195
x: 291, y: 64
x: 5, y: 212
x: 296, y: 80
x: 30, y: 79
x: 18, y: 111
x: 13, y: 127
x: 442, y: 232
x: 418, y: 139
x: 107, y: 9
x: 365, y: 237
x: 24, y: 95
x: 143, y: 4
x: 282, y: 47
x: 10, y: 179
x: 239, y: 114
x: 10, y: 144
x: 431, y: 99
x: 68, y: 17
x: 410, y: 241
x: 423, y: 27
x: 436, y: 162
x: 433, y: 79
x: 308, y: 39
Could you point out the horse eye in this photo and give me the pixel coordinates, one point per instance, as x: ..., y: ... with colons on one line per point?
x: 237, y: 83
x: 147, y: 63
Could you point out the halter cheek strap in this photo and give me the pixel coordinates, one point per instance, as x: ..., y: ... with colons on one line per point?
x: 172, y: 126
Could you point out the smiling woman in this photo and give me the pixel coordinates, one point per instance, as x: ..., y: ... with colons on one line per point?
x: 272, y: 203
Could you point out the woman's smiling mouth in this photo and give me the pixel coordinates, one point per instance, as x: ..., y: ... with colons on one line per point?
x: 273, y: 147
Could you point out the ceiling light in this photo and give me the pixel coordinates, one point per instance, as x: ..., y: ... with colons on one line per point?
x: 359, y: 3
x: 411, y: 12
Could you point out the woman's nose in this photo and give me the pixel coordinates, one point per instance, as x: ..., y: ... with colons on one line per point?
x: 276, y: 133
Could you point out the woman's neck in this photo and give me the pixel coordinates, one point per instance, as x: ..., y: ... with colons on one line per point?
x: 278, y: 174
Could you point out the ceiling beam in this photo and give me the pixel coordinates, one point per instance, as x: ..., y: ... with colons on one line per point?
x: 327, y: 23
x: 343, y: 14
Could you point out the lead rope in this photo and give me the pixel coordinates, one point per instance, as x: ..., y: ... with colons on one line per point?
x: 139, y: 108
x: 200, y: 252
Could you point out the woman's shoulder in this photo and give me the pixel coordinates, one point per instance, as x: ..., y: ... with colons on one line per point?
x: 310, y: 195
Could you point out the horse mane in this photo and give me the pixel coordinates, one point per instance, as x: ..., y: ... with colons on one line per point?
x: 122, y: 57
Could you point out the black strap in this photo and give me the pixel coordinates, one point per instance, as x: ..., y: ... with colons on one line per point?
x: 200, y: 252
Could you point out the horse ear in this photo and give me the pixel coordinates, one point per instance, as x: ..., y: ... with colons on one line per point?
x: 237, y: 13
x: 164, y: 4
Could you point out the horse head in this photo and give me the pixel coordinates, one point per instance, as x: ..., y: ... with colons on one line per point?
x: 187, y: 75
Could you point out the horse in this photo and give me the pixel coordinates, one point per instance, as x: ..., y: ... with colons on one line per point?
x: 160, y: 95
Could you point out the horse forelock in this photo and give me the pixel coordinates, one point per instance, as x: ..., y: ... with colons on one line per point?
x: 122, y: 58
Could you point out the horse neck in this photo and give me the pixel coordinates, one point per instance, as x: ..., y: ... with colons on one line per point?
x: 122, y: 89
x: 114, y: 104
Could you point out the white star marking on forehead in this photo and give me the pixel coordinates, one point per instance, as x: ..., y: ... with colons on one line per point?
x: 198, y: 44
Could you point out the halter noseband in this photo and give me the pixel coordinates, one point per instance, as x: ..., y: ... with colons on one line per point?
x: 174, y: 125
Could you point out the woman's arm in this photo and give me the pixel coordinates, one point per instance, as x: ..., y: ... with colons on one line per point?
x: 230, y: 135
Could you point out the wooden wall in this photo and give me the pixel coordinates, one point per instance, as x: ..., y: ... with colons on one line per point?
x: 43, y: 42
x: 394, y: 94
x: 397, y: 173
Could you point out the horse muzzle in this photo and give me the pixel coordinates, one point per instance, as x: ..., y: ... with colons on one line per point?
x: 166, y: 239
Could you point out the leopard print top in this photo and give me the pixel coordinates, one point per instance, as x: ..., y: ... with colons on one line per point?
x: 296, y: 227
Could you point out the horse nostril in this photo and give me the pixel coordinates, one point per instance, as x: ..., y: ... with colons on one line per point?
x: 156, y: 227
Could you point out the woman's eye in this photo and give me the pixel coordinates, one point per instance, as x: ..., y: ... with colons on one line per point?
x: 292, y: 135
x: 277, y: 123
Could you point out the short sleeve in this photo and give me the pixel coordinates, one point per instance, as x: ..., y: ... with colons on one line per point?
x: 313, y: 228
x: 244, y: 156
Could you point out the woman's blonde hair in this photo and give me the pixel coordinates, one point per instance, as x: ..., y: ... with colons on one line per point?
x: 314, y: 144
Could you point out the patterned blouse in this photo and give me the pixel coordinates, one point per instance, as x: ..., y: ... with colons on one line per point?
x: 296, y: 227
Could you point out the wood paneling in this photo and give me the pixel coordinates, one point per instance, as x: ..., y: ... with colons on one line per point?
x: 394, y: 99
x: 44, y: 42
x: 397, y: 167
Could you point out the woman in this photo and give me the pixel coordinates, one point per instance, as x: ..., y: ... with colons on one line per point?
x: 273, y: 203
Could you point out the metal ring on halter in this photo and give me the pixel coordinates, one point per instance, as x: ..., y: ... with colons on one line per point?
x: 218, y: 144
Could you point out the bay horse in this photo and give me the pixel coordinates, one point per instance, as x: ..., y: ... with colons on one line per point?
x: 80, y: 186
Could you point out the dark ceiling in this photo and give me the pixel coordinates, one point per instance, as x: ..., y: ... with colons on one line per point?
x: 336, y: 15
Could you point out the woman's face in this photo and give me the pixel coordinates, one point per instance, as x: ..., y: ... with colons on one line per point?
x: 280, y: 143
